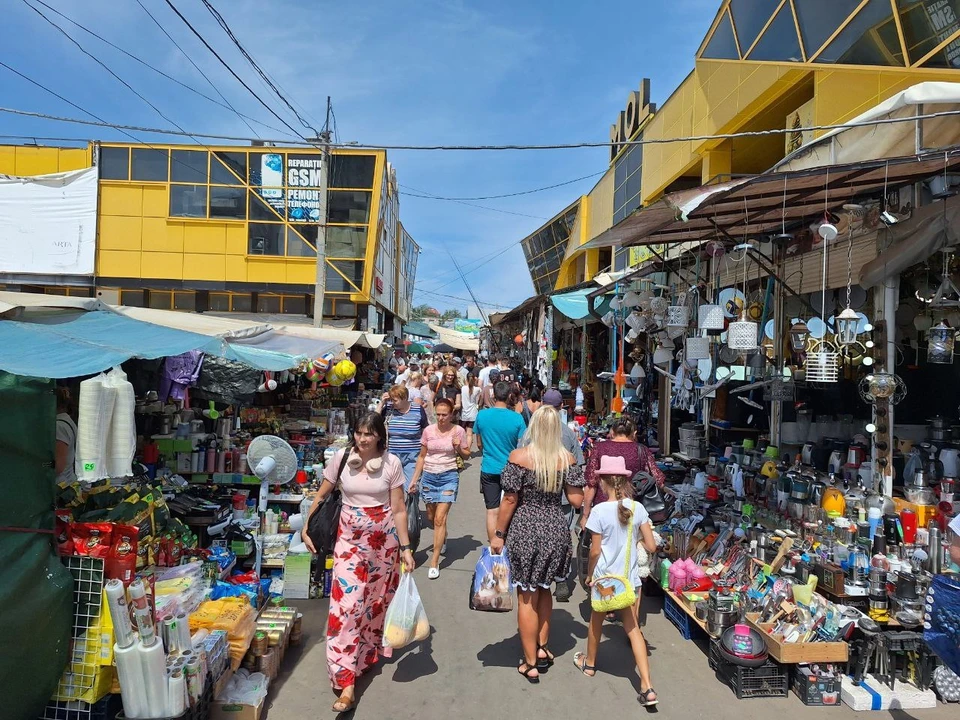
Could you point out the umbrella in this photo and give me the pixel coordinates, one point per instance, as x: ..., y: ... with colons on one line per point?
x: 443, y: 348
x: 416, y: 349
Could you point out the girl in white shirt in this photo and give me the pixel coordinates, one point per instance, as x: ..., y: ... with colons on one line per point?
x: 470, y: 406
x: 609, y: 523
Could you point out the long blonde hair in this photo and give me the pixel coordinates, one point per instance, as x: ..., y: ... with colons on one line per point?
x: 546, y: 449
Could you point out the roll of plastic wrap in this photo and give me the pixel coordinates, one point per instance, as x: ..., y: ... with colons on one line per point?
x: 154, y: 665
x: 133, y: 692
x: 122, y: 433
x: 177, y: 695
x: 95, y: 409
x: 199, y: 636
x: 142, y: 614
x: 183, y: 626
x: 120, y: 613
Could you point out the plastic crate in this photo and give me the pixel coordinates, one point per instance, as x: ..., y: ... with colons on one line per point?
x: 683, y: 622
x: 813, y: 690
x: 770, y: 680
x: 79, y: 710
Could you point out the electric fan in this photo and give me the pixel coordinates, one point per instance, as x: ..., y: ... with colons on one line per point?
x: 273, y: 461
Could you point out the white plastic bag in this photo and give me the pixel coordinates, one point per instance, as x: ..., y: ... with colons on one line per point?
x: 406, y: 620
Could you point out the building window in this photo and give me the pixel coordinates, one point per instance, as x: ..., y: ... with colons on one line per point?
x: 344, y: 308
x: 186, y: 301
x: 114, y: 163
x: 218, y: 302
x: 228, y: 168
x: 160, y: 299
x: 188, y: 201
x: 352, y: 171
x: 351, y: 279
x: 149, y: 165
x: 297, y: 246
x: 348, y: 207
x: 346, y: 242
x: 240, y: 302
x: 189, y: 166
x: 294, y: 305
x: 268, y: 303
x: 626, y: 182
x: 132, y: 298
x: 266, y: 239
x: 228, y: 203
x: 259, y: 210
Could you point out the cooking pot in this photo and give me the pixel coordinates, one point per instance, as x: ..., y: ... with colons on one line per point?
x: 919, y: 495
x: 799, y: 487
x: 939, y: 422
x: 720, y: 620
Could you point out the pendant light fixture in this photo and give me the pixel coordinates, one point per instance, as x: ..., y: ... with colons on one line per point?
x: 940, y: 342
x: 846, y: 322
x: 743, y: 335
x: 710, y: 316
x: 823, y: 365
x: 799, y: 334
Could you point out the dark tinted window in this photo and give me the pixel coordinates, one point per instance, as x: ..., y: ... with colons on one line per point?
x: 346, y: 242
x: 228, y: 203
x: 241, y: 303
x: 268, y: 303
x: 779, y: 41
x: 188, y: 201
x: 266, y: 239
x: 132, y: 298
x: 294, y: 305
x: 188, y: 166
x: 352, y: 171
x: 926, y: 25
x: 219, y: 302
x: 221, y: 165
x: 114, y: 163
x: 348, y: 207
x: 750, y: 16
x: 185, y: 301
x: 352, y: 270
x: 859, y: 44
x: 296, y: 247
x: 722, y: 46
x: 819, y: 19
x: 259, y: 210
x: 149, y: 165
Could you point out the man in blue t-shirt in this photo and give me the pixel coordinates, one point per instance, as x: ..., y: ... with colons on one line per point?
x: 498, y: 430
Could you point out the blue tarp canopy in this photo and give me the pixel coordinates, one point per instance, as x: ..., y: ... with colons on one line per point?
x: 573, y: 304
x: 63, y: 344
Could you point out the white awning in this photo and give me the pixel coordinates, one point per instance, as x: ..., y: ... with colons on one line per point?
x: 10, y: 301
x: 458, y: 340
x: 203, y: 323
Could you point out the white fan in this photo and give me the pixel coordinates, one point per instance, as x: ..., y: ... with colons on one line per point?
x: 273, y: 461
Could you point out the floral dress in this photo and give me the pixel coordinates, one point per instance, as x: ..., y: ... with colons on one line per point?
x: 538, y: 539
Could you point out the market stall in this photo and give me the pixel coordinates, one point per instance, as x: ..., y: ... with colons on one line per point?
x: 196, y: 446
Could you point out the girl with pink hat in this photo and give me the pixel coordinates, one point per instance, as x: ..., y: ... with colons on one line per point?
x: 617, y: 526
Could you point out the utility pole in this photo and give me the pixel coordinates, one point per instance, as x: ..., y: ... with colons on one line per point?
x: 320, y: 284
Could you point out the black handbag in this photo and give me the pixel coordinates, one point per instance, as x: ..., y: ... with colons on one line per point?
x: 324, y: 523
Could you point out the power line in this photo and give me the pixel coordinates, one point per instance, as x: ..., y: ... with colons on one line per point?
x: 461, y: 299
x: 230, y: 69
x: 210, y: 82
x: 243, y: 51
x: 474, y: 205
x: 507, y: 195
x: 568, y: 146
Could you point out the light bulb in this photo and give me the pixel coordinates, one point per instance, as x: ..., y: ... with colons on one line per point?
x: 869, y: 343
x: 871, y: 428
x: 868, y: 328
x: 868, y: 361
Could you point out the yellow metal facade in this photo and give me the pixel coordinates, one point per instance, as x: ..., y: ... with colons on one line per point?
x: 831, y: 62
x: 235, y: 223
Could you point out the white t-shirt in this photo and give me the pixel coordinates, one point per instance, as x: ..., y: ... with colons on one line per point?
x: 605, y: 520
x: 470, y: 402
x: 485, y: 376
x: 414, y: 393
x: 67, y: 434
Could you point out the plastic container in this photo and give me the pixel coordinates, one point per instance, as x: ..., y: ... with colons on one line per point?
x: 769, y: 680
x: 814, y: 690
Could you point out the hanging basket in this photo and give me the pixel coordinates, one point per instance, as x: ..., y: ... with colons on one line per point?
x: 742, y: 335
x: 779, y: 390
x: 823, y: 366
x: 710, y: 317
x: 659, y: 305
x: 678, y: 316
x: 698, y: 348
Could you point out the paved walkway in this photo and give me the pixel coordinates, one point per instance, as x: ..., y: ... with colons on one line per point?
x: 467, y: 669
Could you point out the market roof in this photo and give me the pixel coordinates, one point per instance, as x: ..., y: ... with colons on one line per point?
x: 763, y: 204
x: 302, y: 326
x: 529, y: 303
x: 418, y: 329
x: 456, y: 340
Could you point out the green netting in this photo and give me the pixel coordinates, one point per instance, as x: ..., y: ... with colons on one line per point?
x: 36, y: 591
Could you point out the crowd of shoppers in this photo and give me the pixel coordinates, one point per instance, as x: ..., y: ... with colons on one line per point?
x: 533, y: 478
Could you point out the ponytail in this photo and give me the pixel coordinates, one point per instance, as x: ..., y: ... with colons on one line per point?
x: 620, y: 485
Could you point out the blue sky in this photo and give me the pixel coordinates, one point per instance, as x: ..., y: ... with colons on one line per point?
x: 432, y: 71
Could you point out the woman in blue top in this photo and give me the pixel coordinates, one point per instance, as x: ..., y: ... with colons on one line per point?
x: 405, y: 423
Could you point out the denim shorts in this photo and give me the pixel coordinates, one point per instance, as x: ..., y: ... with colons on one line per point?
x: 408, y: 461
x: 439, y: 487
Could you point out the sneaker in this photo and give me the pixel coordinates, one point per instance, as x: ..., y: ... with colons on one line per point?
x: 433, y: 573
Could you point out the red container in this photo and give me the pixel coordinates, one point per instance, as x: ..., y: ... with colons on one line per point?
x: 908, y: 520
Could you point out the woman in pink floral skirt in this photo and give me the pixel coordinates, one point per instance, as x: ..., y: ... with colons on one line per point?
x: 371, y: 542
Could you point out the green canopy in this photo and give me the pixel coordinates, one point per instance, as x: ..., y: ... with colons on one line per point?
x: 416, y: 349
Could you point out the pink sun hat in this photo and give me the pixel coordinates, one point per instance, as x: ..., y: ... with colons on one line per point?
x: 612, y: 465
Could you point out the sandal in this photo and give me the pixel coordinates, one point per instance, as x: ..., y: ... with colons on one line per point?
x: 532, y: 679
x: 580, y: 660
x: 543, y: 663
x: 644, y: 698
x: 344, y: 706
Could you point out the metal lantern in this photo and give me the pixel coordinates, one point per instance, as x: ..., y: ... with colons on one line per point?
x: 846, y: 326
x: 742, y: 335
x: 678, y: 316
x: 799, y: 334
x: 822, y: 366
x: 710, y: 317
x: 940, y: 344
x: 698, y: 348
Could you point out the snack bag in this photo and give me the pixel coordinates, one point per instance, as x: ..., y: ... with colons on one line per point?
x: 491, y: 590
x: 406, y: 620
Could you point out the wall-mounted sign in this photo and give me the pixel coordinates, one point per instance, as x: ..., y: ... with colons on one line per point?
x: 48, y: 223
x: 303, y: 187
x: 643, y: 253
x: 271, y: 180
x: 471, y: 326
x: 632, y: 117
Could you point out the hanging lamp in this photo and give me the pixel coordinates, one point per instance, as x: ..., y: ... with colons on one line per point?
x: 823, y: 365
x: 845, y: 324
x: 743, y: 335
x: 799, y: 334
x: 940, y: 342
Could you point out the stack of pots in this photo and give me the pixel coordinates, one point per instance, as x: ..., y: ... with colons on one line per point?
x: 693, y: 443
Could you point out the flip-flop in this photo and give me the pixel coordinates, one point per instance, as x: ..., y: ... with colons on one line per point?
x: 580, y: 660
x: 340, y: 706
x: 645, y: 697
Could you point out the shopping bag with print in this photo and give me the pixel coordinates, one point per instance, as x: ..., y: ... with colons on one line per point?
x: 406, y: 620
x: 492, y: 590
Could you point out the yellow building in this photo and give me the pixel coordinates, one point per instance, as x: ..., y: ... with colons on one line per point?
x: 234, y: 229
x: 764, y: 64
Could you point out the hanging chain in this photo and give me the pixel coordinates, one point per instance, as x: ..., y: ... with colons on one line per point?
x: 823, y: 280
x: 783, y: 210
x: 849, y: 262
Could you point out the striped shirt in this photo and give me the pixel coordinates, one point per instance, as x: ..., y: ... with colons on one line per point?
x: 404, y: 430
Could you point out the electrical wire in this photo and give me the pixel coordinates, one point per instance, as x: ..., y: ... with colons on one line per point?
x: 210, y: 82
x: 462, y: 299
x: 474, y: 205
x: 568, y: 146
x: 253, y: 63
x: 240, y: 80
x: 507, y: 195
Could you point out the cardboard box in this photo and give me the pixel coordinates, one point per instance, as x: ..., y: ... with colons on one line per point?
x: 798, y: 652
x: 235, y: 711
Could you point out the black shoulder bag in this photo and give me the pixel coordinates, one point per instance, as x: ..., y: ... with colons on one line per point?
x: 324, y: 523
